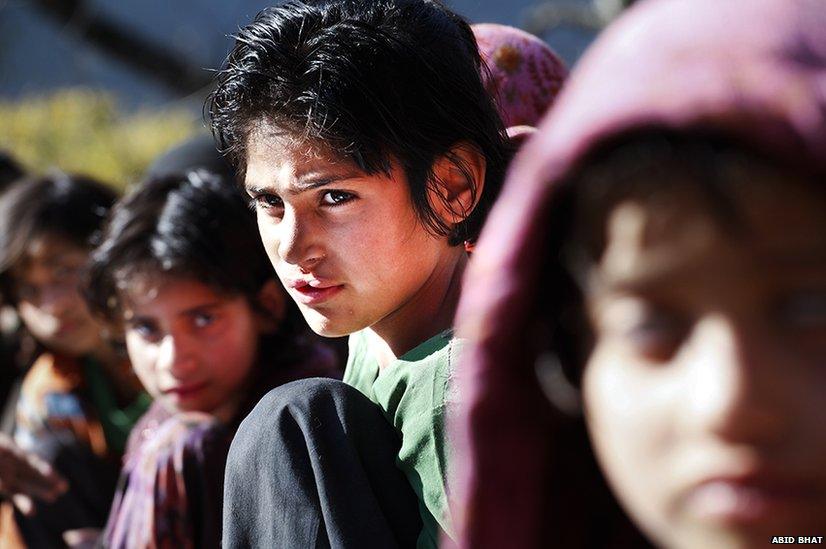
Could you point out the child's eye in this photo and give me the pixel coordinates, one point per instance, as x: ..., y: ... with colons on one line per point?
x: 146, y: 329
x: 335, y: 198
x: 27, y: 292
x: 657, y: 336
x: 649, y: 330
x: 64, y: 272
x: 267, y: 201
x: 202, y: 320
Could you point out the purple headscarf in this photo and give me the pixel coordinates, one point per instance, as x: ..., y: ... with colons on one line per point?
x: 524, y: 73
x: 754, y: 70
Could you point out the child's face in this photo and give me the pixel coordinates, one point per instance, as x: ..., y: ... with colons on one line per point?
x: 191, y: 347
x: 348, y: 246
x: 49, y: 302
x: 705, y: 390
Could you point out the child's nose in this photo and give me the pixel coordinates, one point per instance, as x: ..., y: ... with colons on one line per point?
x: 57, y: 299
x: 736, y: 391
x: 298, y: 242
x: 176, y: 356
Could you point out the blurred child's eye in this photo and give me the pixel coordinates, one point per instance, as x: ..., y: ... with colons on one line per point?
x: 335, y: 198
x: 148, y: 330
x: 64, y: 272
x: 27, y: 292
x: 202, y: 320
x: 649, y: 330
x: 657, y: 335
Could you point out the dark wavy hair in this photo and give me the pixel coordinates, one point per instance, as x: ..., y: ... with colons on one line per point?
x: 371, y: 80
x: 72, y: 207
x: 189, y: 225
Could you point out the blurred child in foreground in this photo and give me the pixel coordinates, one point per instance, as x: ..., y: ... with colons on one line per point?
x: 661, y: 245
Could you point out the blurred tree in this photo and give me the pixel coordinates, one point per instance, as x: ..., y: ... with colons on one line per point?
x: 127, y: 46
x: 593, y: 15
x: 83, y: 131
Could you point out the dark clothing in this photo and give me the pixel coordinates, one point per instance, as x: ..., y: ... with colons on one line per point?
x: 314, y: 465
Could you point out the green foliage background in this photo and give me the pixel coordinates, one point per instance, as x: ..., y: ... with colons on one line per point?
x: 84, y: 131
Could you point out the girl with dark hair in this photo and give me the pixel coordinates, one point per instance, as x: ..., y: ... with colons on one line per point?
x: 657, y: 263
x: 371, y: 151
x: 79, y: 399
x: 208, y: 331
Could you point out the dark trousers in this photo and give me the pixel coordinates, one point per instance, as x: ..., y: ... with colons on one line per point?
x: 314, y: 465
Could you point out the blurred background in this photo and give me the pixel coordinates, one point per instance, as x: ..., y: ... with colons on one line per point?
x: 102, y: 86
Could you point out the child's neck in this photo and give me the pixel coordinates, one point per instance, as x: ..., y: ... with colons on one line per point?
x: 426, y: 314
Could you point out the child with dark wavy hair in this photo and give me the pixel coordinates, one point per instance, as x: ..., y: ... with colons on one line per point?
x: 208, y: 331
x: 371, y: 151
x: 79, y: 399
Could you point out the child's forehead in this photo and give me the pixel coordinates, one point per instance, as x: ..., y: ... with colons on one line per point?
x: 49, y: 251
x: 143, y: 288
x: 276, y: 160
x: 770, y: 226
x: 269, y: 140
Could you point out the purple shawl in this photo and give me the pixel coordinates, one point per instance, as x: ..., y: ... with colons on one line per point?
x: 754, y: 70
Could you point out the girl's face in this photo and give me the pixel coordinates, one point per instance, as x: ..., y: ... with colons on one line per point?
x: 49, y: 302
x: 192, y: 347
x: 705, y: 390
x: 348, y: 246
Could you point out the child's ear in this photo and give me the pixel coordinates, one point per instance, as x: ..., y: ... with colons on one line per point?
x: 460, y: 179
x: 273, y: 300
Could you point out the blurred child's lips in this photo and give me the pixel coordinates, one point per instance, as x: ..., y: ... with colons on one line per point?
x: 752, y: 499
x: 185, y: 391
x: 67, y: 327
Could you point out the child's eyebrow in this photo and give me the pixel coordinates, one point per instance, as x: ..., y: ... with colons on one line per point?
x: 303, y: 184
x: 197, y: 309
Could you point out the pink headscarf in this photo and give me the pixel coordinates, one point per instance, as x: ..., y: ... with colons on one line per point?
x: 525, y: 74
x: 751, y: 69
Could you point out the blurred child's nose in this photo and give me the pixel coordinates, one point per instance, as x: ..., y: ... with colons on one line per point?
x: 737, y: 391
x: 176, y: 356
x: 57, y: 299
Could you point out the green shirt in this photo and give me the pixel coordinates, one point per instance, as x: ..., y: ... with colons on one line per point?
x: 414, y: 393
x: 116, y: 421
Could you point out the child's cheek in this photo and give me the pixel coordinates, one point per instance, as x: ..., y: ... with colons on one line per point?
x: 629, y: 417
x: 143, y: 358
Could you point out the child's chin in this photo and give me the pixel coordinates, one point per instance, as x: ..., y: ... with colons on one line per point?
x: 326, y: 326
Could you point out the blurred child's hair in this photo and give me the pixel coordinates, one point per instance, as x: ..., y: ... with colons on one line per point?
x: 71, y: 207
x: 189, y: 225
x: 373, y: 81
x: 649, y: 166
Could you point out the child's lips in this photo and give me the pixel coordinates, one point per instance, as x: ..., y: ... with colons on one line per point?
x: 313, y: 292
x: 750, y: 500
x: 185, y: 391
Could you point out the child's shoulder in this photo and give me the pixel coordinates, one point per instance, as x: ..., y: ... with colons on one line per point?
x: 50, y: 391
x: 52, y: 373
